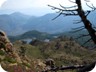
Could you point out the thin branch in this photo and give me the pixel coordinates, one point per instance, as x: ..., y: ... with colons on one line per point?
x: 89, y: 6
x: 57, y: 16
x: 80, y: 21
x: 94, y: 46
x: 72, y: 1
x: 87, y: 0
x: 82, y: 36
x: 92, y: 7
x: 77, y: 30
x: 53, y: 8
x: 78, y: 27
x: 60, y: 8
x: 73, y: 12
x: 87, y: 41
x: 58, y: 11
x: 69, y: 14
x: 68, y: 7
x: 87, y: 13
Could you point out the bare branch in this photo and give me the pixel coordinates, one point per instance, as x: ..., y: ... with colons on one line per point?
x: 55, y: 8
x: 94, y: 46
x: 77, y: 21
x: 63, y: 11
x: 65, y: 68
x: 78, y: 27
x: 58, y: 11
x: 68, y: 7
x: 92, y: 7
x: 88, y: 67
x: 60, y: 8
x: 87, y: 13
x: 71, y: 1
x: 69, y: 14
x: 82, y: 36
x: 77, y: 30
x: 87, y: 0
x: 72, y: 67
x: 87, y: 24
x: 57, y: 16
x: 87, y: 41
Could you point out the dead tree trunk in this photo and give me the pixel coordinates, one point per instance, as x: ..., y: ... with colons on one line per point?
x: 86, y: 22
x: 77, y: 10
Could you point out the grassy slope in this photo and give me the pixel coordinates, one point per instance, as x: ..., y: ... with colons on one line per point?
x: 63, y: 50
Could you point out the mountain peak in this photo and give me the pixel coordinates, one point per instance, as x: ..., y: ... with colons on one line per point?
x: 18, y: 14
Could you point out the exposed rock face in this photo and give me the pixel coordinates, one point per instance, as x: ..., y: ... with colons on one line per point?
x: 5, y: 44
x: 10, y: 59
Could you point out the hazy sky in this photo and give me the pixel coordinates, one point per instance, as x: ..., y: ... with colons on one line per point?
x: 23, y: 4
x: 1, y: 2
x: 37, y: 4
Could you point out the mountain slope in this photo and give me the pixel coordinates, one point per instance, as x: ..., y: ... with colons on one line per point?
x: 65, y: 51
x: 19, y: 17
x: 12, y: 24
x: 46, y: 24
x: 6, y: 23
x: 18, y: 23
x: 32, y: 35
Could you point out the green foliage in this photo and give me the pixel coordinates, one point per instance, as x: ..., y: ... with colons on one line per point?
x: 9, y: 59
x: 42, y: 36
x: 2, y: 53
x: 33, y: 52
x: 63, y: 50
x: 26, y: 64
x: 31, y: 35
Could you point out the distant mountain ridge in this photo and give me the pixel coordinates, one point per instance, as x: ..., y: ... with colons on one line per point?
x: 18, y: 23
x: 46, y: 24
x: 32, y: 35
x: 12, y: 23
x: 43, y: 36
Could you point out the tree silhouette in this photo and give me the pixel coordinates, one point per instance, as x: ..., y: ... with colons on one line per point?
x: 77, y: 10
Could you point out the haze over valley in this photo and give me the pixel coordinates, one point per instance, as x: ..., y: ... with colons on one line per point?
x: 18, y: 23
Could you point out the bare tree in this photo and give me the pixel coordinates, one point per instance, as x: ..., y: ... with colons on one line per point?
x: 77, y: 10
